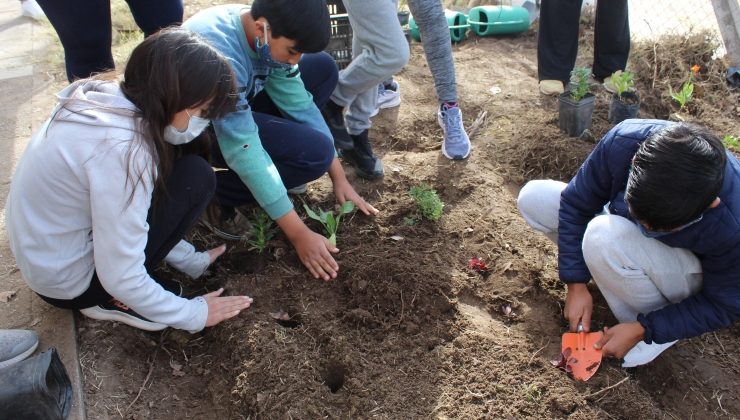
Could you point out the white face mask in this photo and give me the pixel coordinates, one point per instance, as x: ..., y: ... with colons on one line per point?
x: 196, y: 125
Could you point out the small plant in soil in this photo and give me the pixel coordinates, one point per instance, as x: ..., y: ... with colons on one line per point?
x: 623, y: 81
x: 579, y: 87
x: 684, y: 95
x: 731, y: 142
x: 262, y: 231
x: 625, y: 102
x: 329, y: 220
x: 428, y: 203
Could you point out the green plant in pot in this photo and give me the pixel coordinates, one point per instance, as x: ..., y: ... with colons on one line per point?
x: 625, y: 100
x: 576, y: 105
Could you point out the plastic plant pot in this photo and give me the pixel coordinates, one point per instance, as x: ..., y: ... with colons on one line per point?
x: 575, y: 116
x: 624, y: 107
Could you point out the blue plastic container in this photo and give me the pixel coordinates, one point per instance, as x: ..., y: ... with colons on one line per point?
x: 498, y: 20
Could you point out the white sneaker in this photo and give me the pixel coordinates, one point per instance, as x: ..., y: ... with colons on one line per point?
x: 388, y: 97
x: 644, y: 353
x: 30, y: 8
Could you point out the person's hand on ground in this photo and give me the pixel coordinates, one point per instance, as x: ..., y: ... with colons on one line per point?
x: 223, y: 308
x: 216, y: 252
x: 578, y: 306
x: 620, y: 339
x: 315, y: 251
x: 344, y: 191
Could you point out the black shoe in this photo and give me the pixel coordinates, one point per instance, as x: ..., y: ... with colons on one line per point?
x: 114, y: 310
x: 334, y: 117
x: 361, y: 156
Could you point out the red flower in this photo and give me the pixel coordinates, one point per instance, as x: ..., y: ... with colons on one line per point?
x: 476, y: 264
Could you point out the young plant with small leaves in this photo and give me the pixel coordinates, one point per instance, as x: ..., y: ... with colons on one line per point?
x: 579, y: 86
x: 261, y: 232
x: 329, y: 220
x: 684, y: 95
x: 624, y: 81
x: 428, y: 203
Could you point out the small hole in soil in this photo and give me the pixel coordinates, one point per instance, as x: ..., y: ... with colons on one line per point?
x: 333, y: 375
x: 294, y: 322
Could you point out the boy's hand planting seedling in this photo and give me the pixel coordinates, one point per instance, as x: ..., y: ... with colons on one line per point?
x: 329, y: 220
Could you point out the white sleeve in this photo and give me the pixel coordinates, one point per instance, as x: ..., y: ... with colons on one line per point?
x: 187, y: 260
x: 120, y: 235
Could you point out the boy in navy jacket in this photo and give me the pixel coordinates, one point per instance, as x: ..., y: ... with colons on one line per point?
x: 653, y: 216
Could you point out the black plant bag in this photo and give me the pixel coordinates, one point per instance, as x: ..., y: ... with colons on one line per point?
x: 36, y: 388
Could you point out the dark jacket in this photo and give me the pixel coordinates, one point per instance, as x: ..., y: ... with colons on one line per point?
x: 715, y: 240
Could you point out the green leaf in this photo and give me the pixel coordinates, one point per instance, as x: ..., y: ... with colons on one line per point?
x: 331, y: 223
x: 347, y: 207
x: 312, y: 214
x: 333, y: 239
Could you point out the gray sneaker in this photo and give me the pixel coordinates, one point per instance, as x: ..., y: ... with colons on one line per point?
x: 16, y: 345
x: 456, y: 144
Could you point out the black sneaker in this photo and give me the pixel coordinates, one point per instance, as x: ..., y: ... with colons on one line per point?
x: 361, y: 156
x: 334, y: 117
x: 226, y: 223
x: 114, y: 310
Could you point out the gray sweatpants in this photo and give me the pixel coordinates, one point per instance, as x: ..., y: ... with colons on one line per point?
x: 435, y: 37
x: 379, y: 49
x: 635, y: 274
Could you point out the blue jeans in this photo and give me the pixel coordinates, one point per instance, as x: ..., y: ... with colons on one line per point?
x: 300, y: 153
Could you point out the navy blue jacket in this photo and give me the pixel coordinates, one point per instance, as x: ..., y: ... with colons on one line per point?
x: 715, y: 240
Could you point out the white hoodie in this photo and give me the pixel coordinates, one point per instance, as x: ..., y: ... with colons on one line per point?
x: 68, y: 212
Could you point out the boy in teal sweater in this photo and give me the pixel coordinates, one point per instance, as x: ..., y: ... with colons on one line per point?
x: 277, y: 138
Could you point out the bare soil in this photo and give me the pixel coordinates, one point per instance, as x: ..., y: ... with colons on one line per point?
x: 407, y: 330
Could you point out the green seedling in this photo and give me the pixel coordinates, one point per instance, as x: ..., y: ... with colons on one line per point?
x: 261, y: 232
x: 427, y: 202
x: 624, y: 81
x: 684, y: 95
x: 731, y: 142
x: 329, y: 220
x: 579, y: 87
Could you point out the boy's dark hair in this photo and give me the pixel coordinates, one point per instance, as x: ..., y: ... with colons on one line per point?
x: 304, y: 21
x: 676, y: 174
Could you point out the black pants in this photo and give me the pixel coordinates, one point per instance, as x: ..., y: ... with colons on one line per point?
x: 558, y: 38
x: 84, y: 28
x: 300, y: 153
x: 190, y: 187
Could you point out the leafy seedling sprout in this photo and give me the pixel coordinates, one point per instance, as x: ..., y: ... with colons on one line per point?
x: 329, y: 220
x: 579, y: 87
x: 731, y: 142
x: 684, y: 95
x: 623, y: 81
x: 261, y: 232
x: 427, y: 202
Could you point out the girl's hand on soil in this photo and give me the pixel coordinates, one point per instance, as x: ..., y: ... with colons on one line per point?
x: 620, y: 339
x: 223, y: 308
x: 216, y: 252
x: 345, y: 192
x: 578, y: 306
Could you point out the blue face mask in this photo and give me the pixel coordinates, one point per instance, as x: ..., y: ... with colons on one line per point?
x: 263, y: 52
x: 657, y: 234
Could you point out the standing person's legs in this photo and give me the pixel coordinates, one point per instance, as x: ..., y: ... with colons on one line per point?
x: 151, y: 16
x: 435, y: 38
x: 557, y: 40
x: 84, y: 29
x: 611, y: 38
x: 379, y: 48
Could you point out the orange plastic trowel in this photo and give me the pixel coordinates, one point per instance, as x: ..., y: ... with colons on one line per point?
x: 582, y: 360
